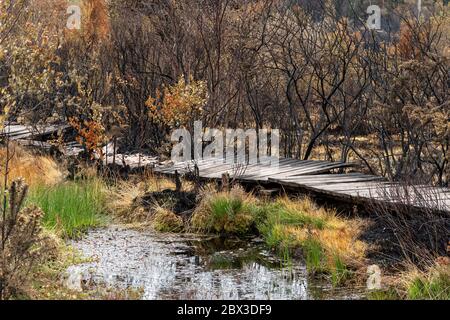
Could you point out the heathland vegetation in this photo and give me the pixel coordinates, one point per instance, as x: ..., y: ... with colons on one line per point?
x: 137, y: 70
x: 332, y: 245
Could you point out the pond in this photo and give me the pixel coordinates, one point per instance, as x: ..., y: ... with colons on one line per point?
x: 181, y: 266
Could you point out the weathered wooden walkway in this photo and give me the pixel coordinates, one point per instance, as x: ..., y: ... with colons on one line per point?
x: 19, y: 132
x: 317, y: 177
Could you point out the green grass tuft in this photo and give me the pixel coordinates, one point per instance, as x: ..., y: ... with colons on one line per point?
x: 389, y: 294
x: 297, y: 219
x: 71, y: 207
x: 326, y: 241
x: 224, y: 213
x: 340, y: 272
x: 436, y: 287
x: 314, y: 255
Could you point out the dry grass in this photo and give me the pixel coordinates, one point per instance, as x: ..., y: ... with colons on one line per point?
x: 431, y: 284
x: 152, y: 183
x: 34, y: 169
x: 164, y: 220
x: 123, y: 200
x: 329, y: 243
x: 338, y: 236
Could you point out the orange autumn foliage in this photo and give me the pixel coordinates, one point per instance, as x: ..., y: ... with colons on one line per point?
x: 91, y: 134
x: 96, y: 26
x: 178, y: 104
x: 410, y: 41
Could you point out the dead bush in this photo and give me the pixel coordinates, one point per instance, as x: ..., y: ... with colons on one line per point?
x: 23, y: 244
x: 417, y: 220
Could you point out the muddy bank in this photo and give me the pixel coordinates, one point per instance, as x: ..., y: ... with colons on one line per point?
x: 169, y: 266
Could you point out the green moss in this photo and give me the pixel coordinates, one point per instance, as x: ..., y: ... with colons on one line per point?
x: 46, y: 281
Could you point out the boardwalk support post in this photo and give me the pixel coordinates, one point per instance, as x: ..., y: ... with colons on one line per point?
x: 226, y: 182
x: 177, y: 181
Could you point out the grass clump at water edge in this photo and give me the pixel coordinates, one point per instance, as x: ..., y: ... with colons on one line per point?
x: 434, y: 284
x: 329, y: 244
x: 226, y: 212
x: 70, y: 207
x: 164, y: 220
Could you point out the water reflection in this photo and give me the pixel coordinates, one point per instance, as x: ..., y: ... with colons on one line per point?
x: 187, y: 267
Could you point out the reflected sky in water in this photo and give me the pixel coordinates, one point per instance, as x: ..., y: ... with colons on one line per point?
x: 187, y: 267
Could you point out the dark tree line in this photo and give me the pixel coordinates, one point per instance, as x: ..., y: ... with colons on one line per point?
x: 335, y: 89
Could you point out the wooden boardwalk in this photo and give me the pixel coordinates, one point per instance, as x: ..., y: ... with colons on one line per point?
x: 19, y: 132
x: 318, y: 177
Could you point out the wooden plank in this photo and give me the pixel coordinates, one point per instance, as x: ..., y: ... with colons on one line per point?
x: 288, y: 171
x: 309, y: 171
x: 334, y: 178
x: 258, y: 172
x: 15, y: 132
x: 205, y: 167
x: 444, y: 205
x: 277, y: 170
x: 186, y: 165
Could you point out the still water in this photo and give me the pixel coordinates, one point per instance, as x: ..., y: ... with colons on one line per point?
x: 173, y: 266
